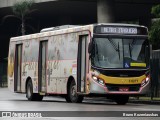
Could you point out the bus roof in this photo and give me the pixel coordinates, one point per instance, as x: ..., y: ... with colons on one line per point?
x: 58, y: 28
x: 54, y: 32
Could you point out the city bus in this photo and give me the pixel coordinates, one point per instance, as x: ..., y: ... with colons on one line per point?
x: 109, y: 60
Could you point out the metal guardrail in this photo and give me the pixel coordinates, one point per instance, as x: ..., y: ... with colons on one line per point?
x: 155, y: 74
x: 3, y: 83
x: 3, y: 74
x: 155, y: 78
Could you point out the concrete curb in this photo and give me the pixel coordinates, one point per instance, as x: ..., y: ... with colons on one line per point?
x: 153, y: 102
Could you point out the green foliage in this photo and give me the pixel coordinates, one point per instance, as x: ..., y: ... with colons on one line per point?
x: 156, y: 10
x: 22, y: 8
x: 154, y: 33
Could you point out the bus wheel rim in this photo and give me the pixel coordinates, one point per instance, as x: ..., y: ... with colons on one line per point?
x: 73, y: 91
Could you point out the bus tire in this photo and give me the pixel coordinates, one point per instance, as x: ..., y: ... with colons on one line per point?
x: 30, y: 95
x: 72, y: 96
x: 122, y: 99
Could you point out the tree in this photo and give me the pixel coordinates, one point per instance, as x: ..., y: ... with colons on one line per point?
x: 21, y: 9
x: 154, y: 33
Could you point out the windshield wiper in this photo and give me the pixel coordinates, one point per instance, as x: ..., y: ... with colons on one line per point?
x: 132, y: 44
x: 130, y: 51
x: 115, y: 46
x: 118, y: 51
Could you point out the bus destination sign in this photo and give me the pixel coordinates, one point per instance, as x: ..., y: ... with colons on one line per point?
x: 119, y: 30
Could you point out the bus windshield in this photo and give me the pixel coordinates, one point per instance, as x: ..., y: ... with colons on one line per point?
x: 119, y: 53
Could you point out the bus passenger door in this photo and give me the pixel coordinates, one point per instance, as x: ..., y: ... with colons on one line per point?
x: 17, y: 69
x: 42, y: 66
x: 81, y: 63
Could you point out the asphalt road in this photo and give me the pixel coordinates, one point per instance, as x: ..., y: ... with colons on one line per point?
x: 10, y: 101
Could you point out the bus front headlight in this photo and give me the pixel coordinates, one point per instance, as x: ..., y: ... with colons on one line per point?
x: 100, y: 81
x: 145, y: 81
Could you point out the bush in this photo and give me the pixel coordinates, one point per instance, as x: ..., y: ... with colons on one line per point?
x: 154, y: 33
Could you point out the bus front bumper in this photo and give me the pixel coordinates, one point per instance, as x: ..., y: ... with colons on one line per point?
x: 96, y: 88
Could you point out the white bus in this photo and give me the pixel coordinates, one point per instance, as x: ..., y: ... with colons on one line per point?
x: 109, y: 60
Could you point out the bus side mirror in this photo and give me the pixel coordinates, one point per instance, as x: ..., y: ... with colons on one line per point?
x: 90, y: 47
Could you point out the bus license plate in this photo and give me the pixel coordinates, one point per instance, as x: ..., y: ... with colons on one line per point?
x: 124, y: 89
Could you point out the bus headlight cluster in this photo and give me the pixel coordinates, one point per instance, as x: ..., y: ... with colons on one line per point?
x: 145, y: 81
x: 100, y: 81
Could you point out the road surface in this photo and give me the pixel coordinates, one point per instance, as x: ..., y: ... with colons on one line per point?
x: 10, y: 101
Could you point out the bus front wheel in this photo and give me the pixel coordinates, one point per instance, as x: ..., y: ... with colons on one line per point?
x: 30, y: 95
x: 72, y: 95
x: 122, y: 99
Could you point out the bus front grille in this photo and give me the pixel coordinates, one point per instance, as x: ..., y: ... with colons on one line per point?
x: 112, y: 87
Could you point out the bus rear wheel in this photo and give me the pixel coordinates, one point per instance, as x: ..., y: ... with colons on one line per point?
x: 30, y: 95
x: 122, y: 99
x: 72, y: 95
